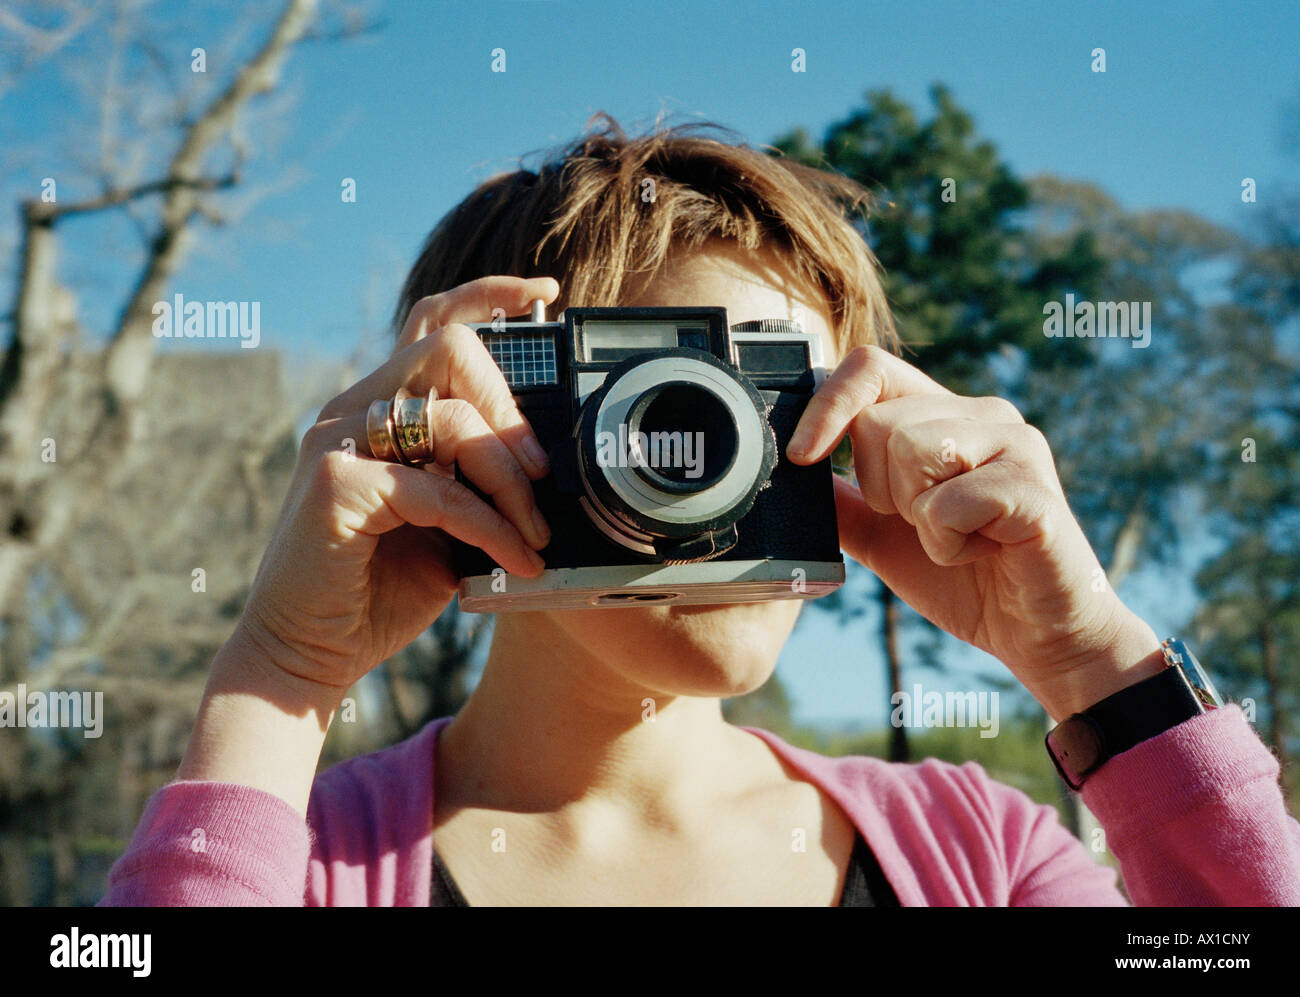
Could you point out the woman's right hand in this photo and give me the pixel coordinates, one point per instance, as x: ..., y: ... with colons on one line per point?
x: 353, y: 572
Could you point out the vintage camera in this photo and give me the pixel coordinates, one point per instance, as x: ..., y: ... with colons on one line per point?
x: 666, y: 431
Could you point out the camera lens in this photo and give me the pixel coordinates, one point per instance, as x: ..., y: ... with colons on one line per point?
x: 673, y: 449
x: 687, y: 435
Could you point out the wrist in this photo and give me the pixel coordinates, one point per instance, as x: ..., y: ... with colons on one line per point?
x: 1128, y: 655
x: 1180, y: 690
x: 251, y: 663
x: 259, y: 725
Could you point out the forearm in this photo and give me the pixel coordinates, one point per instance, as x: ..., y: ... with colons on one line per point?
x: 259, y: 726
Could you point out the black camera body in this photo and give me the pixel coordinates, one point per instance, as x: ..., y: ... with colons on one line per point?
x: 666, y: 430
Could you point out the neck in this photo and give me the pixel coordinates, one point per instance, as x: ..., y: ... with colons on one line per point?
x: 550, y: 725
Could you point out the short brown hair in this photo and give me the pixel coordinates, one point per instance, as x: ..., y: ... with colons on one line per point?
x: 581, y: 218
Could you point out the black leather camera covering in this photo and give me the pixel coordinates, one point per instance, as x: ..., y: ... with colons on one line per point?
x: 792, y: 519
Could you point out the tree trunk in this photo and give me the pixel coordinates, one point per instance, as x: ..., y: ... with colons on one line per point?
x: 63, y: 868
x: 899, y: 750
x: 14, y: 871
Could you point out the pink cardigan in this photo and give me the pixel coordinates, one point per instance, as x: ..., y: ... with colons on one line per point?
x: 1195, y: 817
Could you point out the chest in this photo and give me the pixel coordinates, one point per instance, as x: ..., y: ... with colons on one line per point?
x: 787, y: 852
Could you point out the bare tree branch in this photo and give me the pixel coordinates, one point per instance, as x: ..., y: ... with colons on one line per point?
x: 38, y: 212
x: 128, y: 356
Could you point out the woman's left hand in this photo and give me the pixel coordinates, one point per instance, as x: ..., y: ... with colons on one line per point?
x: 961, y: 513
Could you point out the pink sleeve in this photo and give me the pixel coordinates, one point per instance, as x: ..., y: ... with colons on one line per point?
x: 1019, y: 850
x: 1196, y: 818
x: 1050, y: 867
x: 372, y: 829
x: 212, y: 844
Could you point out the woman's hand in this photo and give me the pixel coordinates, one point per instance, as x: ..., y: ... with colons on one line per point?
x: 961, y: 513
x: 353, y: 574
x: 358, y: 564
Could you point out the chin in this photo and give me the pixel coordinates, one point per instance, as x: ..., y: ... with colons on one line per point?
x: 706, y: 651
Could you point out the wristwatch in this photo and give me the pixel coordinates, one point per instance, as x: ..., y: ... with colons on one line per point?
x: 1083, y: 742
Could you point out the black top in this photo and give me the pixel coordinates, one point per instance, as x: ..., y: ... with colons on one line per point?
x: 865, y: 884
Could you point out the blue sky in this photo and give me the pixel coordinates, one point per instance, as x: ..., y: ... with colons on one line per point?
x: 1192, y: 101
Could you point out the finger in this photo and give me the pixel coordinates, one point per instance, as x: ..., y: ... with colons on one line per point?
x: 462, y: 437
x: 981, y: 513
x: 873, y: 428
x: 970, y: 487
x: 397, y: 494
x: 463, y: 368
x: 867, y: 375
x: 923, y: 455
x: 470, y: 302
x: 887, y: 545
x: 475, y: 302
x: 454, y: 362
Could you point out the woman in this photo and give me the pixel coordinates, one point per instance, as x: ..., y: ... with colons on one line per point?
x: 591, y: 765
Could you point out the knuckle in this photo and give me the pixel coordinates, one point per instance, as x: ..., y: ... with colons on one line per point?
x: 1037, y: 440
x: 877, y: 353
x: 424, y: 310
x: 497, y: 471
x: 862, y: 356
x: 900, y: 442
x: 925, y: 506
x: 515, y: 478
x: 468, y: 361
x: 1001, y: 409
x: 321, y: 437
x: 329, y: 469
x: 908, y: 453
x: 457, y: 336
x: 866, y: 371
x: 458, y: 419
x: 870, y: 422
x: 503, y: 406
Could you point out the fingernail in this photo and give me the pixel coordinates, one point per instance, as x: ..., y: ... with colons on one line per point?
x: 535, y: 559
x: 541, y: 531
x: 534, y: 452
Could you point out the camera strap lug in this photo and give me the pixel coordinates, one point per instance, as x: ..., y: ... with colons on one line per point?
x: 700, y: 548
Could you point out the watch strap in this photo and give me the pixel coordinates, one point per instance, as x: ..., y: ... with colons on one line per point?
x: 1080, y: 744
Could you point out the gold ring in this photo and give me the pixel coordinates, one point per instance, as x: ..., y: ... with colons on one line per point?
x: 401, y: 429
x: 412, y: 432
x: 379, y: 431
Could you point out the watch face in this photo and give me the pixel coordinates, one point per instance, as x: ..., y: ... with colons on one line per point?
x: 1179, y: 654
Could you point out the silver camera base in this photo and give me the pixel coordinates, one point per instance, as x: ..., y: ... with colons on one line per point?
x: 702, y: 584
